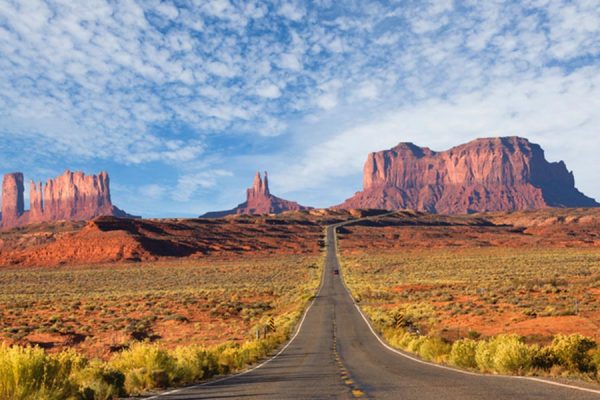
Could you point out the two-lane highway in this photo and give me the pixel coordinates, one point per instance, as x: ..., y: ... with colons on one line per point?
x: 335, y: 355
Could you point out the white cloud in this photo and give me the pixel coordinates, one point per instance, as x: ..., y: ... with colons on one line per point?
x: 168, y: 10
x: 367, y: 91
x: 152, y: 191
x: 327, y: 101
x: 189, y: 184
x: 509, y: 108
x: 291, y: 11
x: 388, y: 38
x: 218, y: 8
x: 268, y: 90
x: 220, y: 69
x: 160, y: 81
x: 290, y: 61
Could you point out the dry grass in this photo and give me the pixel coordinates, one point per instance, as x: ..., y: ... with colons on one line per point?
x: 536, y: 293
x: 102, y: 309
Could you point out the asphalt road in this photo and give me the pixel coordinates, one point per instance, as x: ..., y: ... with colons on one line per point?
x: 335, y: 355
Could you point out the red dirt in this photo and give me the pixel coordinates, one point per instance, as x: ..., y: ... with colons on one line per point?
x: 411, y: 230
x: 110, y: 239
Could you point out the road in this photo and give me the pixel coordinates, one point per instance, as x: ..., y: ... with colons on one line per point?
x: 335, y: 355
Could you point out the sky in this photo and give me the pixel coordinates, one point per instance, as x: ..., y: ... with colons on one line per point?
x: 183, y: 101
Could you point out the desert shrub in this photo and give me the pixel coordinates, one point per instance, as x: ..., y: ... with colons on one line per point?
x: 463, y: 353
x: 228, y: 358
x: 97, y: 381
x: 573, y: 351
x: 434, y: 349
x: 145, y: 366
x: 194, y: 363
x: 484, y: 355
x: 513, y: 356
x: 544, y: 359
x: 414, y: 345
x: 504, y: 354
x: 402, y: 339
x: 596, y: 363
x: 232, y: 357
x: 31, y: 373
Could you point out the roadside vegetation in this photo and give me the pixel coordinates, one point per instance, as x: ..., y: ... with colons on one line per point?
x: 110, y: 331
x: 497, y: 310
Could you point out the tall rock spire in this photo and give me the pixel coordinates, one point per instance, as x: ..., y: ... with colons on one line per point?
x: 257, y: 185
x: 259, y: 200
x: 13, y: 204
x: 266, y: 184
x: 36, y: 201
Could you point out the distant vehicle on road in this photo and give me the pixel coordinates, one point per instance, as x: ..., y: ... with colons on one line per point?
x: 336, y: 271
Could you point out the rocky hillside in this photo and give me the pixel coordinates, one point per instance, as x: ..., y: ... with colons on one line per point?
x: 71, y: 196
x: 493, y: 174
x: 259, y: 200
x: 108, y: 239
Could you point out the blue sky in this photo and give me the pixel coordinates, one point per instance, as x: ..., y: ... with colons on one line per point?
x: 182, y: 101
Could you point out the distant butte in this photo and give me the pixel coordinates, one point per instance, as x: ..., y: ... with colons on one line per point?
x: 491, y: 174
x: 259, y: 200
x: 71, y: 196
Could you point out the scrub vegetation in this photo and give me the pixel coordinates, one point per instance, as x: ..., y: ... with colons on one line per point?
x: 498, y: 310
x: 106, y: 331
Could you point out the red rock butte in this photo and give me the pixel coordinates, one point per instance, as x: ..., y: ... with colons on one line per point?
x: 71, y: 196
x: 491, y: 174
x: 259, y: 200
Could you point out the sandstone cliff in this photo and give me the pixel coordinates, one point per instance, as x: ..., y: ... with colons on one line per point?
x: 12, y: 199
x: 259, y: 200
x: 493, y: 174
x: 71, y: 196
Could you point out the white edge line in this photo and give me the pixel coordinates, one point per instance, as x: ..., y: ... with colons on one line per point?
x: 298, y: 328
x: 384, y: 344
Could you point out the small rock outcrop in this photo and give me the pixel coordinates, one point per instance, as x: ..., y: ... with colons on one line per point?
x: 259, y: 200
x: 71, y: 196
x: 492, y: 174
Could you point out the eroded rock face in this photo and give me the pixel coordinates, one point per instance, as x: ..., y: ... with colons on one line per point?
x: 259, y: 200
x: 13, y: 204
x: 71, y: 196
x: 493, y: 174
x: 74, y: 195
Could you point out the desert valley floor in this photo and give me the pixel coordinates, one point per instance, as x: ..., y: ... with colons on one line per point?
x: 103, y: 287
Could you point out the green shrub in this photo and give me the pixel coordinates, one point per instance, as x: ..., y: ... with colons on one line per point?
x: 403, y: 339
x: 194, y: 363
x: 573, y: 351
x: 484, y: 355
x: 145, y: 366
x: 414, y: 345
x: 544, y: 359
x: 596, y: 362
x: 31, y: 373
x: 97, y: 381
x: 435, y: 349
x: 463, y: 353
x: 505, y: 354
x: 512, y: 355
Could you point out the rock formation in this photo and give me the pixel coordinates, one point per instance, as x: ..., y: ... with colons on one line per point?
x: 71, y: 196
x: 493, y: 174
x: 12, y: 198
x: 259, y: 200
